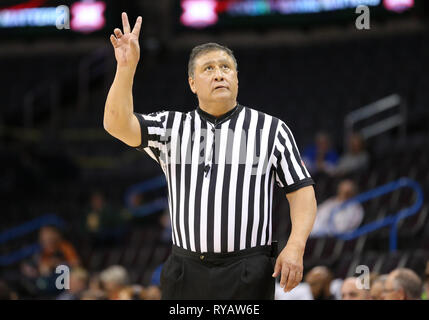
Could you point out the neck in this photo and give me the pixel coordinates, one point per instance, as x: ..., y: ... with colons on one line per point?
x: 217, y: 108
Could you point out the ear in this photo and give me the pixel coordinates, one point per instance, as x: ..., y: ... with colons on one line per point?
x: 192, y: 85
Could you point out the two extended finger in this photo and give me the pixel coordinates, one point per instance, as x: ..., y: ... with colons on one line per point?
x: 126, y: 25
x: 137, y: 26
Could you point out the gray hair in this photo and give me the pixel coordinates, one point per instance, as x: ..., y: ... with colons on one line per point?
x: 116, y: 274
x: 409, y: 281
x: 204, y: 48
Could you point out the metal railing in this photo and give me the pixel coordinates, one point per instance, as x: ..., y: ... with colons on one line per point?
x: 151, y: 207
x: 389, y: 221
x: 23, y: 229
x: 373, y: 109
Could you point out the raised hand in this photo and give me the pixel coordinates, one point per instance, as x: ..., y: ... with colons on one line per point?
x: 126, y: 43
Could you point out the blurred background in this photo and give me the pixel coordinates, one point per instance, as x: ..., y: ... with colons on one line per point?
x: 356, y: 100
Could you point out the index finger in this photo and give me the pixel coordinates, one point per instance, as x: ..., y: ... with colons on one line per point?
x: 125, y: 23
x: 137, y: 27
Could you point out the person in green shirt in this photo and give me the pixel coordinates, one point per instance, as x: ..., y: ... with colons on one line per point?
x: 104, y: 222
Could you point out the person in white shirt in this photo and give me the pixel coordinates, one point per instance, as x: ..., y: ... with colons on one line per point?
x: 345, y: 220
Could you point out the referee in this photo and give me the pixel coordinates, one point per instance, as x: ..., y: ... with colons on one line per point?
x: 221, y: 161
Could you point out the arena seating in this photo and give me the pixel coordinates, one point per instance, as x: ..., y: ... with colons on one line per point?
x: 311, y: 88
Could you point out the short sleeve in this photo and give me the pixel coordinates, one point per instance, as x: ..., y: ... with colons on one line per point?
x: 153, y: 132
x: 290, y: 171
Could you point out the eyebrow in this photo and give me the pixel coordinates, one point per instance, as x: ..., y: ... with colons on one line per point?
x: 216, y: 61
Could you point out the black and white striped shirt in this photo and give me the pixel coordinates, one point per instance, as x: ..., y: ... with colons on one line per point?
x: 220, y: 174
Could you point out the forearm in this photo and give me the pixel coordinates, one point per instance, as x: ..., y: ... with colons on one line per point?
x: 119, y: 103
x: 303, y: 208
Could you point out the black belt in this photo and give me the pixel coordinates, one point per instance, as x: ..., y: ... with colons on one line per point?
x: 269, y: 250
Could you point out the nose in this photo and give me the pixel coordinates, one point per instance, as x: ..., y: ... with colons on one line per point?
x: 218, y: 75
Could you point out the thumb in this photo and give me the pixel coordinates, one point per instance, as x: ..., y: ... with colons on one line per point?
x: 277, y: 269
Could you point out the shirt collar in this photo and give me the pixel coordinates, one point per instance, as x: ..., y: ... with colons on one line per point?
x: 221, y: 118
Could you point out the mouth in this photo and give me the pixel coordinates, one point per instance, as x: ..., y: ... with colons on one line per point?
x: 220, y: 87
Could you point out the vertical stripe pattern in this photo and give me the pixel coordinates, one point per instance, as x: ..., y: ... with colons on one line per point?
x: 221, y: 172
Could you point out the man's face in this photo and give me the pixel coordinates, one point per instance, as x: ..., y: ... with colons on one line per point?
x: 77, y: 283
x: 215, y: 77
x: 49, y: 239
x: 316, y: 282
x: 345, y: 190
x: 377, y: 291
x: 349, y: 291
x: 390, y: 292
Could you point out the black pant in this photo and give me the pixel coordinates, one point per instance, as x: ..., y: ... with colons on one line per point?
x: 243, y: 275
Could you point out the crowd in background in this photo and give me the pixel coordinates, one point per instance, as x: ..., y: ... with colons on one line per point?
x: 399, y: 284
x: 39, y: 274
x: 106, y: 225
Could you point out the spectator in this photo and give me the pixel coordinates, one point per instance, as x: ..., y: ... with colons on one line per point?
x: 320, y: 157
x: 130, y: 293
x: 38, y: 273
x: 93, y: 295
x: 26, y: 277
x: 94, y: 291
x: 403, y: 284
x: 78, y: 284
x: 350, y: 291
x: 356, y: 158
x: 377, y: 288
x: 104, y: 224
x: 335, y: 288
x: 151, y: 293
x: 114, y: 279
x: 54, y: 251
x: 319, y: 279
x: 345, y: 220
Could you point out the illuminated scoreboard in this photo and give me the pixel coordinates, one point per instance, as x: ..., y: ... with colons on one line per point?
x: 199, y: 14
x: 40, y: 17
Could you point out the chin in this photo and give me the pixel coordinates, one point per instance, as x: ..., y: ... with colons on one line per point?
x: 222, y: 96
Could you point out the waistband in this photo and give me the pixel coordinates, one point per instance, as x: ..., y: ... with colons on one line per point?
x: 269, y: 250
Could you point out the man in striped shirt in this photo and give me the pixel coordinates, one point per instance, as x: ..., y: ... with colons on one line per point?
x: 221, y: 161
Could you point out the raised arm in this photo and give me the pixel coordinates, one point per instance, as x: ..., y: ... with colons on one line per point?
x: 119, y: 119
